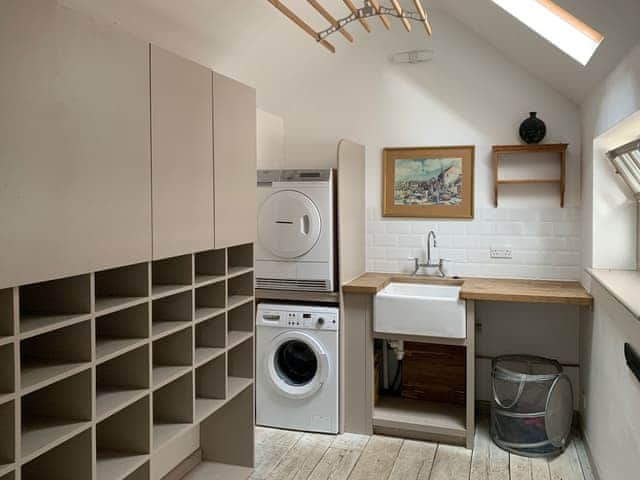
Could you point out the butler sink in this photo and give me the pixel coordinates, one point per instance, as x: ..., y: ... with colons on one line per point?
x: 420, y: 309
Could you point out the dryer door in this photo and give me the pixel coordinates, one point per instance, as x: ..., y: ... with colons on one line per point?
x: 289, y: 224
x: 296, y: 364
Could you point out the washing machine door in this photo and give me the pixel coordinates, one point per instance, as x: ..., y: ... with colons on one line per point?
x: 289, y: 224
x: 297, y: 365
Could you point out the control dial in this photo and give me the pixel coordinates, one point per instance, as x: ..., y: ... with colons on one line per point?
x: 320, y: 321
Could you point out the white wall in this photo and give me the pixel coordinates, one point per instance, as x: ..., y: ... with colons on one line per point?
x: 270, y: 140
x: 610, y: 394
x: 609, y: 215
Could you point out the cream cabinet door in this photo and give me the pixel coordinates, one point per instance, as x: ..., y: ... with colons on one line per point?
x: 75, y: 168
x: 234, y: 126
x: 182, y: 153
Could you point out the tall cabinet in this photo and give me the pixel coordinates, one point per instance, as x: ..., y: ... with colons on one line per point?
x: 74, y: 144
x: 182, y: 155
x: 234, y: 145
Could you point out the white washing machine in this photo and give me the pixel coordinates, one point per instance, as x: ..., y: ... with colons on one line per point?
x: 297, y: 367
x: 296, y: 233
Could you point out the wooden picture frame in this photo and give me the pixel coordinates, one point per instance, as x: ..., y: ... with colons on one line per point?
x: 436, y: 182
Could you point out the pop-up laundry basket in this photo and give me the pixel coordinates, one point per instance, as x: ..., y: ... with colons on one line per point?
x: 532, y: 407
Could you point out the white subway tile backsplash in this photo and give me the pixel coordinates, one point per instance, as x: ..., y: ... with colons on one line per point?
x: 376, y: 227
x: 565, y: 229
x: 411, y: 241
x: 545, y: 242
x: 509, y: 228
x: 566, y: 259
x: 377, y: 253
x: 452, y: 228
x: 398, y: 227
x: 422, y: 228
x: 534, y: 229
x: 481, y: 228
x: 398, y: 253
x: 385, y: 240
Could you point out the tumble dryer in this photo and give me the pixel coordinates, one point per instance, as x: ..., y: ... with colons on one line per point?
x: 295, y: 249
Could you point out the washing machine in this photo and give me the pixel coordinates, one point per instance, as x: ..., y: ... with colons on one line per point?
x: 297, y: 371
x: 295, y: 249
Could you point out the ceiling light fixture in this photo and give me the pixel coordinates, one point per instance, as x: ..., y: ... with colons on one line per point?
x: 558, y: 26
x: 371, y: 8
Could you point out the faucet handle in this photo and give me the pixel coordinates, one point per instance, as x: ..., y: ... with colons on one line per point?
x: 416, y: 264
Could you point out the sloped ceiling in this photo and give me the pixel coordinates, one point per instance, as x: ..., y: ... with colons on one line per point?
x: 226, y: 25
x: 617, y: 20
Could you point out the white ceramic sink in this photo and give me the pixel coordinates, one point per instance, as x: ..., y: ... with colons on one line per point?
x: 420, y: 309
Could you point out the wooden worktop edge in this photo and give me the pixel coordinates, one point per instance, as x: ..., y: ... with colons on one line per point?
x: 372, y: 283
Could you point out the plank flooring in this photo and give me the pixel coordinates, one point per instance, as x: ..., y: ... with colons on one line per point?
x: 285, y: 455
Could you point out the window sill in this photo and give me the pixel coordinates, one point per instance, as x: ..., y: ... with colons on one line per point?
x: 623, y: 285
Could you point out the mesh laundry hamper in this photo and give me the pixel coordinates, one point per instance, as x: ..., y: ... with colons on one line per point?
x: 532, y: 407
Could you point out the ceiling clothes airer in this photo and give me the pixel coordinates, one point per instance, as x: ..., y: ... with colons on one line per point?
x: 371, y: 8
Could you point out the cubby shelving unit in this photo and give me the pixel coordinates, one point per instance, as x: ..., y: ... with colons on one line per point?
x: 120, y: 288
x: 122, y: 331
x: 99, y: 371
x: 123, y: 441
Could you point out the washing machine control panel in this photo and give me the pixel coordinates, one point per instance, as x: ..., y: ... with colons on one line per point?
x: 314, y: 318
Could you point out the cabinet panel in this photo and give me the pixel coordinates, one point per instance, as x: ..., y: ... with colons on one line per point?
x: 182, y: 152
x: 74, y: 144
x: 234, y: 121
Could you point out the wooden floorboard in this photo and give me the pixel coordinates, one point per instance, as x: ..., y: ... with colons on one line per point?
x: 283, y: 455
x: 414, y: 461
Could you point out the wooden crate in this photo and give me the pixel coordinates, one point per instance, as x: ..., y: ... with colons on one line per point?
x: 434, y: 372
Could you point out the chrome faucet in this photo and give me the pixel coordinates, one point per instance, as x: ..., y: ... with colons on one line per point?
x: 429, y: 264
x: 430, y: 235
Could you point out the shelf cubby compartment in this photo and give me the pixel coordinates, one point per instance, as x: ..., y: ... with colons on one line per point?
x: 210, y: 301
x: 172, y: 410
x: 121, y: 382
x: 120, y: 288
x: 55, y: 304
x: 7, y: 436
x: 53, y: 356
x: 211, y: 387
x: 121, y: 331
x: 7, y: 315
x: 123, y: 441
x: 171, y: 275
x: 240, y: 323
x: 7, y: 372
x: 211, y: 267
x: 142, y: 473
x: 240, y: 368
x: 240, y: 259
x: 171, y: 314
x: 172, y: 357
x: 68, y: 461
x: 11, y: 475
x: 210, y: 339
x: 219, y: 448
x: 240, y: 290
x: 54, y: 414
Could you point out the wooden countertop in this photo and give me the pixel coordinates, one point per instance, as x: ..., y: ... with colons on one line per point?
x: 500, y: 290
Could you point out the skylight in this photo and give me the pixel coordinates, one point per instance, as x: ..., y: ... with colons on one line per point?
x: 569, y: 34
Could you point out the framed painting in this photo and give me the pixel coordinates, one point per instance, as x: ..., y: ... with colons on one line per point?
x: 428, y: 182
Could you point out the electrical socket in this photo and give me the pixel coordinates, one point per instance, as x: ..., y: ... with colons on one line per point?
x: 501, y: 252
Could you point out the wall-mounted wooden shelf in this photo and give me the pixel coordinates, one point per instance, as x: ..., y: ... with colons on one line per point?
x: 158, y: 348
x: 559, y: 149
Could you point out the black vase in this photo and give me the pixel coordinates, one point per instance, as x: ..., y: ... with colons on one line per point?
x: 532, y: 130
